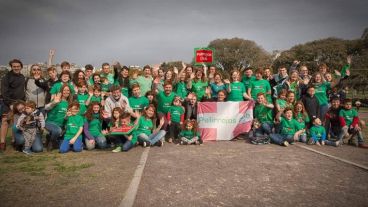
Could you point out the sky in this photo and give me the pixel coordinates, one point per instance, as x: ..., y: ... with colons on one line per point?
x: 139, y: 32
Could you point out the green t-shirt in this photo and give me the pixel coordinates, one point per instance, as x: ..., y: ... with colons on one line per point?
x: 281, y: 103
x: 164, y: 101
x: 321, y: 92
x: 57, y: 87
x: 56, y: 115
x: 95, y: 125
x: 289, y: 127
x: 105, y: 87
x: 181, y: 89
x: 95, y: 99
x: 175, y: 113
x: 82, y: 98
x: 348, y: 115
x: 145, y: 84
x: 302, y: 120
x: 73, y: 124
x: 263, y: 113
x: 295, y: 88
x: 237, y: 91
x: 138, y: 103
x: 247, y: 81
x: 109, y: 76
x: 145, y: 125
x: 189, y: 134
x: 199, y: 88
x: 318, y: 132
x: 259, y: 86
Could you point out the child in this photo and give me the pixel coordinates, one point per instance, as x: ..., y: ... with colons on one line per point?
x: 93, y: 127
x: 105, y: 87
x: 349, y: 122
x: 95, y: 95
x: 122, y: 135
x: 189, y: 133
x: 311, y: 103
x: 289, y: 129
x: 290, y: 99
x: 31, y: 122
x: 281, y: 101
x: 263, y: 112
x: 302, y: 118
x: 318, y: 133
x: 82, y: 96
x: 175, y: 115
x: 73, y: 131
x: 18, y: 109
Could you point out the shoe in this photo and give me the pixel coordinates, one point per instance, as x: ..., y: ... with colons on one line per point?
x: 337, y: 143
x: 286, y: 143
x: 160, y: 143
x: 181, y: 142
x: 318, y: 144
x: 170, y: 140
x: 2, y: 146
x: 27, y: 152
x: 117, y: 149
x: 144, y: 144
x: 362, y: 145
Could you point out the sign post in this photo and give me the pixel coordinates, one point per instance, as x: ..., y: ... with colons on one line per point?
x: 203, y: 55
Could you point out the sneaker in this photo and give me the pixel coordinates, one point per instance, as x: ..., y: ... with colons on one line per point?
x: 117, y: 149
x: 318, y: 144
x: 27, y: 152
x: 170, y: 140
x: 196, y: 142
x: 160, y: 143
x: 144, y: 144
x: 181, y: 142
x: 286, y: 143
x: 362, y: 145
x: 338, y: 143
x: 323, y: 143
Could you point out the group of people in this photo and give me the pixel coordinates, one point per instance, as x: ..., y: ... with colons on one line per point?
x: 117, y: 107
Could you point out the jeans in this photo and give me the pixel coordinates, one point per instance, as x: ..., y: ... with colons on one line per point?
x: 100, y: 141
x: 322, y: 112
x: 55, y: 132
x: 265, y: 128
x: 174, y: 129
x: 153, y: 138
x: 77, y: 146
x: 302, y: 138
x: 345, y: 131
x: 280, y: 138
x: 121, y: 140
x: 37, y: 145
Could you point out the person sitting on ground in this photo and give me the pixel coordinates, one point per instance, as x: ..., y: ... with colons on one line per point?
x: 317, y: 133
x: 349, y: 122
x: 189, y: 133
x: 263, y: 112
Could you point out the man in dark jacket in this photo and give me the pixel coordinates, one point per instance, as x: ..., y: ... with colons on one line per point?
x: 12, y: 89
x: 311, y: 103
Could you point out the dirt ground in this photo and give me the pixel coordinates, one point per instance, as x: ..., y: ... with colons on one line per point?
x: 240, y: 174
x: 93, y: 178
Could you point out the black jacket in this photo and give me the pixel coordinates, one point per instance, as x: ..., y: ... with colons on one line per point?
x: 13, y: 88
x: 311, y: 104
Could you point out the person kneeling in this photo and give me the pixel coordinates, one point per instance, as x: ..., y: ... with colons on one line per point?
x: 74, y: 128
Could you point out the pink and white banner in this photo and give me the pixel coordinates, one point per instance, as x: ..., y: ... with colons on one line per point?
x: 224, y: 120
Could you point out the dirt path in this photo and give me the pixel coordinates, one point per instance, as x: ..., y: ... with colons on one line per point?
x: 239, y: 174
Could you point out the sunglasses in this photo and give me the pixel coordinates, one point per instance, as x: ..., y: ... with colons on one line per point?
x: 36, y: 68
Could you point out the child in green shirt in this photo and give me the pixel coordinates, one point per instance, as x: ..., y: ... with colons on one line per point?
x: 93, y: 127
x: 301, y: 116
x: 189, y: 133
x: 317, y: 133
x: 95, y: 95
x: 175, y: 117
x: 73, y: 131
x: 263, y: 113
x: 82, y: 97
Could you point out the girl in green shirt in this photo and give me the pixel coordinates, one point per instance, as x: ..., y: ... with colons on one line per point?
x: 189, y: 134
x: 146, y: 134
x: 236, y: 89
x: 82, y: 97
x: 93, y: 127
x: 73, y: 130
x: 263, y: 112
x: 199, y: 84
x: 301, y: 116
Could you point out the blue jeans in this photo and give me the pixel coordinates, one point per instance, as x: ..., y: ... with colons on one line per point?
x: 302, y: 138
x: 265, y: 128
x: 37, y: 145
x: 55, y: 132
x: 100, y: 141
x: 153, y: 138
x: 77, y: 146
x: 280, y: 139
x: 121, y: 140
x: 322, y: 111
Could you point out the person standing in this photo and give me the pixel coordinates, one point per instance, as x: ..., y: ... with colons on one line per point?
x: 12, y: 89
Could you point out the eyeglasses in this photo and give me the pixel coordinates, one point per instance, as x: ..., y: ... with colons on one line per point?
x: 36, y: 68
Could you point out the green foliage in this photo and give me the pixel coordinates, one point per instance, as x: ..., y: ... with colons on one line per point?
x: 239, y: 53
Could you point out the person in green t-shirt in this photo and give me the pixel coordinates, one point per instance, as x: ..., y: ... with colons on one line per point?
x: 236, y: 88
x: 190, y: 134
x: 280, y: 102
x: 136, y: 101
x: 57, y: 109
x: 145, y: 80
x: 317, y: 133
x: 199, y: 84
x: 73, y: 130
x: 263, y: 113
x: 175, y: 116
x: 301, y: 116
x: 95, y: 95
x: 106, y: 73
x: 349, y: 121
x: 146, y: 133
x: 93, y: 127
x: 82, y: 97
x: 247, y: 78
x: 259, y: 85
x: 164, y: 100
x: 64, y: 80
x: 289, y: 129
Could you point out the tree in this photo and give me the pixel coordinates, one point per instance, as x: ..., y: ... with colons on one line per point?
x: 239, y: 53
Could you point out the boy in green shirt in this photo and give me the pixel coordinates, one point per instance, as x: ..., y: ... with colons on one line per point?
x: 263, y: 113
x: 317, y: 133
x: 136, y: 101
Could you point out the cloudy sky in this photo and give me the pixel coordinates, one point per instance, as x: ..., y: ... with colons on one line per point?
x: 151, y: 31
